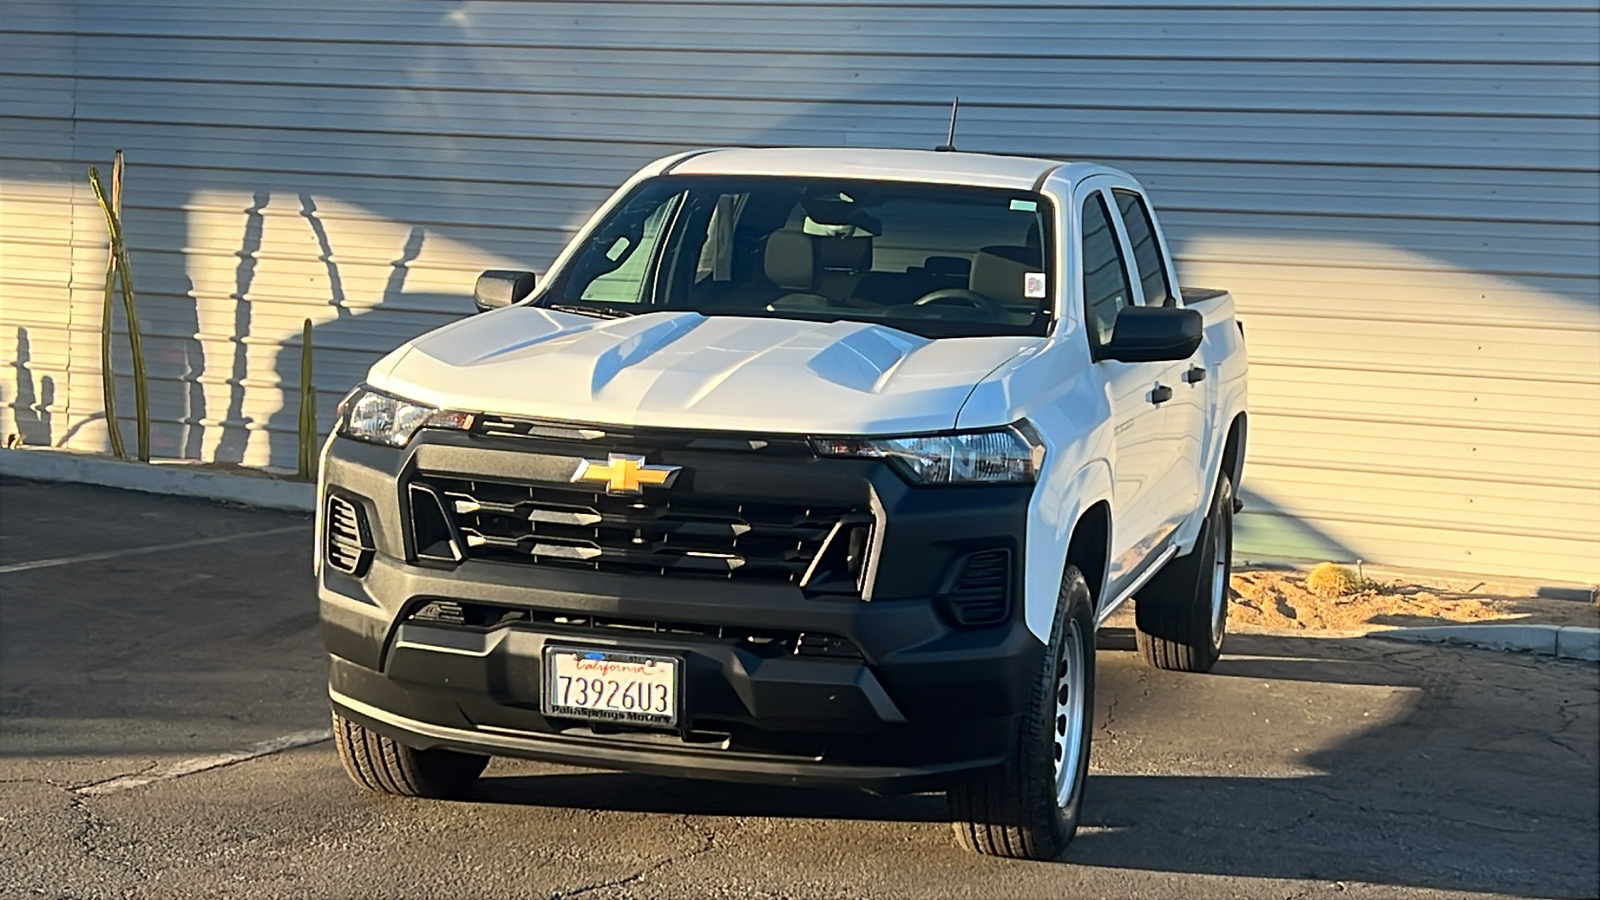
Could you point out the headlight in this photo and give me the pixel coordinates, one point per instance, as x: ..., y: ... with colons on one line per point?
x: 369, y: 415
x: 1009, y: 455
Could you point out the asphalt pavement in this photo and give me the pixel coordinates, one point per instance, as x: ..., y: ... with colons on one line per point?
x: 163, y: 722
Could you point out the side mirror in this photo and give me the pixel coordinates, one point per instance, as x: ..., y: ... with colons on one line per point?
x: 1154, y: 334
x: 497, y: 288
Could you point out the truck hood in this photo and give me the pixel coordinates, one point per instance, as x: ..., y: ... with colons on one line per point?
x: 685, y: 370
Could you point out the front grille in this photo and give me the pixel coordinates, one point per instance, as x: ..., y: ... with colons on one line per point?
x: 656, y: 533
x: 764, y: 642
x: 347, y: 544
x: 978, y: 595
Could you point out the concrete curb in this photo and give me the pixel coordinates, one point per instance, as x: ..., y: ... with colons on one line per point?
x: 179, y: 480
x: 1559, y: 641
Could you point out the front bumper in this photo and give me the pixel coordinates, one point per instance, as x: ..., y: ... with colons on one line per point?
x: 903, y: 699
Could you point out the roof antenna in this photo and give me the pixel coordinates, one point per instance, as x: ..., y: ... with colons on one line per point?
x: 950, y: 142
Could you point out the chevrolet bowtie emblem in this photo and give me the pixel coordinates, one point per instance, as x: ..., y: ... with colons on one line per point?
x: 625, y: 474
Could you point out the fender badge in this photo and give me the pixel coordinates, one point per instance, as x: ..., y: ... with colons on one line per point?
x: 625, y: 474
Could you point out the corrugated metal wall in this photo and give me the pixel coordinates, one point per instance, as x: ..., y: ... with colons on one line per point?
x: 1404, y: 198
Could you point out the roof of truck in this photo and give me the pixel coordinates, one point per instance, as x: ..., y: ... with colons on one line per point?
x: 981, y: 169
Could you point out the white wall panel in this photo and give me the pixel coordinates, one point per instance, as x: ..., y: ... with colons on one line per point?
x: 1404, y: 198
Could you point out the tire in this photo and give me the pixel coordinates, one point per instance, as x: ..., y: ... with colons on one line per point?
x: 1029, y: 809
x: 1182, y: 614
x: 387, y: 766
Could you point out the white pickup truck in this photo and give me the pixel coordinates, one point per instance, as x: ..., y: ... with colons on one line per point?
x: 799, y: 466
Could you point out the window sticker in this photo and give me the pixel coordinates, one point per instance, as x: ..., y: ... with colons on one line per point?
x: 1024, y: 206
x: 1033, y: 286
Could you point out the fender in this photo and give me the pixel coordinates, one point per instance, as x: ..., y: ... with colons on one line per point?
x: 1052, y: 520
x: 1230, y: 410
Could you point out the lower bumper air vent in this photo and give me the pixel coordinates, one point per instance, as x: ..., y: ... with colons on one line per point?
x: 979, y: 593
x: 764, y: 642
x: 347, y: 541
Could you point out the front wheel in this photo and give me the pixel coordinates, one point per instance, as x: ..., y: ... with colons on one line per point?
x: 1182, y: 614
x: 387, y: 766
x: 1029, y: 809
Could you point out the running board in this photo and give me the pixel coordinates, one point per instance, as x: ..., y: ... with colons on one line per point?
x: 1144, y: 578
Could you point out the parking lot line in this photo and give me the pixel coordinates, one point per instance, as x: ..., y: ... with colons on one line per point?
x: 138, y: 551
x: 204, y: 763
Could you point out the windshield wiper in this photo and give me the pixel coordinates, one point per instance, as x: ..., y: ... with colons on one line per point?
x: 584, y: 309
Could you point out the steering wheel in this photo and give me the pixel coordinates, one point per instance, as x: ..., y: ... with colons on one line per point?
x: 961, y: 296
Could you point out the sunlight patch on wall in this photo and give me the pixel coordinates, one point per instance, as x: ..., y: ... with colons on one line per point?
x: 1405, y: 410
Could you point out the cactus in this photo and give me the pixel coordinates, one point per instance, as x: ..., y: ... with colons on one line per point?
x: 1329, y: 580
x: 119, y: 249
x: 108, y: 382
x: 308, y: 409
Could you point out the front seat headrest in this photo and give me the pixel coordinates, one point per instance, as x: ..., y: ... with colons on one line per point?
x: 790, y: 261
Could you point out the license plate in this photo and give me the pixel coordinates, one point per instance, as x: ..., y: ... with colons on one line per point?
x: 607, y: 684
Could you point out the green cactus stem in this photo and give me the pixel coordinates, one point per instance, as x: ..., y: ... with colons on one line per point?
x: 141, y: 396
x: 108, y: 381
x: 308, y: 409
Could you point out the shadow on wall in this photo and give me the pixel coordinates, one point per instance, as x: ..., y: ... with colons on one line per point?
x: 30, y: 408
x: 219, y: 350
x: 234, y: 425
x: 346, y: 331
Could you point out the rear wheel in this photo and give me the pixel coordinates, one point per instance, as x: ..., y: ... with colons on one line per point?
x: 383, y: 764
x: 1182, y: 614
x: 1029, y: 809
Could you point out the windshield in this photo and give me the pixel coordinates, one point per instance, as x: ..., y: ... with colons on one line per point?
x: 935, y: 260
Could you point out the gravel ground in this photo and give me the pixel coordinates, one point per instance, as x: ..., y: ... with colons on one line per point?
x: 1279, y: 601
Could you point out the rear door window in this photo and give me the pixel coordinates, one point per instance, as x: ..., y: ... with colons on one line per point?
x: 1146, y: 249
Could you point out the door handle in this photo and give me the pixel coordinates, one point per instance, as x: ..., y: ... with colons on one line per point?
x: 1160, y: 394
x: 1195, y: 375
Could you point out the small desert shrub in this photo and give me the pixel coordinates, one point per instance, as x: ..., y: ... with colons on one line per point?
x: 1329, y: 580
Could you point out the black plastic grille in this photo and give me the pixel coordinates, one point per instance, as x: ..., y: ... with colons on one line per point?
x: 979, y: 595
x: 346, y: 545
x: 656, y: 532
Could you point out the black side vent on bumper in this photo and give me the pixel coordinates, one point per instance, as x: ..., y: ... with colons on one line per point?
x: 431, y: 533
x: 347, y: 541
x: 658, y: 535
x: 979, y: 592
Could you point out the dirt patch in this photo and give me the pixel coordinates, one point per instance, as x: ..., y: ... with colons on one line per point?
x: 1279, y: 601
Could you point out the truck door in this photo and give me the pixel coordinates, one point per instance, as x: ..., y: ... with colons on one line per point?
x: 1145, y: 448
x: 1186, y: 411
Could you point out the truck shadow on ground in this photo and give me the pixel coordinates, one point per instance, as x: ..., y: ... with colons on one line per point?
x: 1467, y: 784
